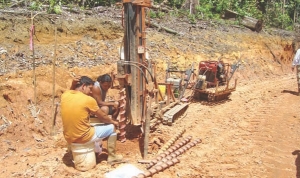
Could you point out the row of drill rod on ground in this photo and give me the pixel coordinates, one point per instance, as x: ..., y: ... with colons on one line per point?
x: 168, y: 156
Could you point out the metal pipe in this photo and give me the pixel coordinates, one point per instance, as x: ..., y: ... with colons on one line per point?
x: 147, y: 130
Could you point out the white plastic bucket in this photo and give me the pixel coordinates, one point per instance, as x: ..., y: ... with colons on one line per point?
x: 83, y: 156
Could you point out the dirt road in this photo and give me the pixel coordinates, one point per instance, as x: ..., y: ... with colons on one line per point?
x: 254, y: 134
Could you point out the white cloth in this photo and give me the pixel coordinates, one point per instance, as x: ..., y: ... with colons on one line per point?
x: 124, y: 171
x: 296, y: 60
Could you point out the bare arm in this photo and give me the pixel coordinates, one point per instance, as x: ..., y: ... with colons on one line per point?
x: 75, y: 81
x: 104, y: 117
x: 96, y: 92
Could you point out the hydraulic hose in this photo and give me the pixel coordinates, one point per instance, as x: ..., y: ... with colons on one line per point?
x: 152, y: 78
x: 139, y: 69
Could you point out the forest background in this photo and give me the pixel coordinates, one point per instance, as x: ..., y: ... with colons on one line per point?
x: 283, y: 14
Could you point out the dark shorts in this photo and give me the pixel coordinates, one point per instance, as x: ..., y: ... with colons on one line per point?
x: 110, y: 110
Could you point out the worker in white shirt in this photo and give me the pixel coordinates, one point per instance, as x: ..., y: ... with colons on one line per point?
x: 296, y: 63
x: 296, y: 60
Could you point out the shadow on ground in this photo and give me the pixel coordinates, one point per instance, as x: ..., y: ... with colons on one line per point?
x: 297, y: 162
x: 291, y: 92
x: 68, y: 159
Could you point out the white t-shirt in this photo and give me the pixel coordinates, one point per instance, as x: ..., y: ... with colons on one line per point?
x: 296, y: 60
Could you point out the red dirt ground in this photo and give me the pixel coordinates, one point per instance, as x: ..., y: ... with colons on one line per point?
x: 253, y: 134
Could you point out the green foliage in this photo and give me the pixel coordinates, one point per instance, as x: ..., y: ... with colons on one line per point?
x: 55, y: 6
x: 205, y: 11
x: 35, y: 6
x: 192, y: 18
x: 274, y: 13
x: 152, y: 14
x: 222, y: 5
x: 158, y: 14
x: 174, y: 13
x: 176, y: 3
x: 94, y: 3
x: 281, y: 16
x: 57, y: 9
x: 158, y: 1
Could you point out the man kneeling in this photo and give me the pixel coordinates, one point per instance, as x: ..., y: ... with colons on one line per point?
x: 76, y: 106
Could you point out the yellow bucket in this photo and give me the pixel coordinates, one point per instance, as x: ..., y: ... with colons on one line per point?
x: 162, y: 89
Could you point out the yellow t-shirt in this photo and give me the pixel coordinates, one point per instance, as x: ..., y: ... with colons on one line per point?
x: 75, y: 109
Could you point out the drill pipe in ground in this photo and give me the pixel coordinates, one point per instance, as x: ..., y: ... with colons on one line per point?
x: 170, y: 142
x: 121, y: 117
x: 170, y: 153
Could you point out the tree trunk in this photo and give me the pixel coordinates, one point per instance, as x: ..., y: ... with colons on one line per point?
x: 190, y: 5
x: 249, y: 22
x: 252, y: 23
x: 283, y: 11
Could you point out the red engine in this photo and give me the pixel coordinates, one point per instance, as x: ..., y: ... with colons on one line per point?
x: 213, y: 80
x: 208, y: 69
x: 214, y: 71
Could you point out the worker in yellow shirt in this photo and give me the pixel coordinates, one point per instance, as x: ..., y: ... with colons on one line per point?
x: 76, y: 107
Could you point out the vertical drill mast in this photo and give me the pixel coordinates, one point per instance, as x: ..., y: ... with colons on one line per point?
x: 134, y: 55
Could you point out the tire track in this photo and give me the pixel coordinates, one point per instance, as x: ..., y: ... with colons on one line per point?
x: 247, y: 136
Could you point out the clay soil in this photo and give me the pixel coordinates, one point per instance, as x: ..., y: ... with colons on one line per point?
x: 255, y: 133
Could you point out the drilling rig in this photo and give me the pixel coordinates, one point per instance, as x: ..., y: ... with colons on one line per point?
x: 136, y: 75
x: 139, y: 90
x: 133, y: 67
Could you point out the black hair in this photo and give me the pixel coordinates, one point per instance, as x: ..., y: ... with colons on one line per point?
x: 84, y: 80
x: 104, y: 78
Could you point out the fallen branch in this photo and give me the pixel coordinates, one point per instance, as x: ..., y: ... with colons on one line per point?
x: 17, y: 3
x: 161, y: 8
x: 14, y: 12
x: 160, y: 27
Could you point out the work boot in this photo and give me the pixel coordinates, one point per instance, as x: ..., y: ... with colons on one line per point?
x: 111, y: 148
